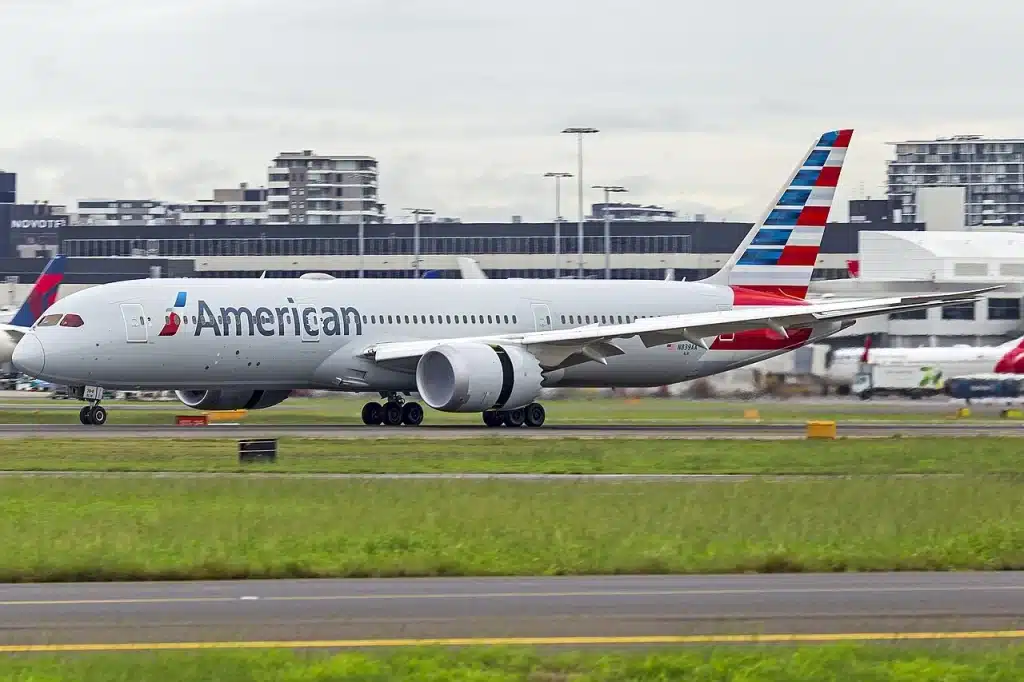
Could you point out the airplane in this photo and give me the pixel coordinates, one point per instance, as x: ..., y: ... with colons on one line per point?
x: 1006, y: 358
x: 462, y: 345
x: 44, y: 292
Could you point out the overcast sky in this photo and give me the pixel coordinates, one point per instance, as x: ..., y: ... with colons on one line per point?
x: 703, y: 106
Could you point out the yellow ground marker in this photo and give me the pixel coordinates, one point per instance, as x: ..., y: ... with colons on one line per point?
x: 821, y: 430
x: 812, y: 638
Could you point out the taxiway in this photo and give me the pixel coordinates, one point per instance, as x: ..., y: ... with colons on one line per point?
x: 339, y: 613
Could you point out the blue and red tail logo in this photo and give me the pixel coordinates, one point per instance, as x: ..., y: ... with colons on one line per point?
x: 43, y: 293
x: 173, y: 323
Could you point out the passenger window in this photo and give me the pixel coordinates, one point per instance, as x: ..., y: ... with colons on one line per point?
x: 620, y: 319
x: 588, y: 319
x: 389, y: 320
x: 407, y: 319
x: 563, y: 319
x: 513, y: 319
x: 506, y: 319
x: 364, y: 319
x: 448, y: 319
x: 548, y: 318
x: 473, y: 319
x: 431, y: 319
x: 71, y: 320
x: 465, y: 320
x: 49, y: 320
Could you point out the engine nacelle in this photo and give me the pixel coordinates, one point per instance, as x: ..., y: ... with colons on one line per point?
x: 476, y: 377
x: 239, y: 399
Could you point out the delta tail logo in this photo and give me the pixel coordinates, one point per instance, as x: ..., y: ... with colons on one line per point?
x: 173, y: 323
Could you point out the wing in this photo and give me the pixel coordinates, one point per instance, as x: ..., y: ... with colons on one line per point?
x: 596, y: 341
x: 13, y: 332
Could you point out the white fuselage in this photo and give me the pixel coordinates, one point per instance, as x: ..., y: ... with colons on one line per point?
x: 950, y: 361
x: 289, y: 334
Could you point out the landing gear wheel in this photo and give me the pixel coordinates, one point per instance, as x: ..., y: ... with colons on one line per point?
x: 373, y: 414
x: 392, y: 414
x: 85, y: 415
x: 534, y: 415
x: 97, y: 416
x: 492, y: 418
x: 412, y: 414
x: 514, y: 417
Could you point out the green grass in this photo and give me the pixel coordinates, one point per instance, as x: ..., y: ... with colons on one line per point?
x: 817, y: 664
x: 131, y: 529
x: 576, y: 411
x: 973, y: 455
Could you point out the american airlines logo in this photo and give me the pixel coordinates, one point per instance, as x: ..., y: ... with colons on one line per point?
x: 291, y: 320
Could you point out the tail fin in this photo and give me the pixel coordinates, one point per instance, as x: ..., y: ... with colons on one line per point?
x: 778, y: 254
x: 43, y: 294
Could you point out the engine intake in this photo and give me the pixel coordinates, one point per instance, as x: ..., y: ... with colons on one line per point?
x: 476, y: 377
x: 242, y: 399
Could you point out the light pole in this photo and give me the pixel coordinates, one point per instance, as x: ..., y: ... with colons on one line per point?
x: 362, y: 239
x: 579, y: 133
x: 558, y: 215
x: 608, y: 189
x: 417, y: 212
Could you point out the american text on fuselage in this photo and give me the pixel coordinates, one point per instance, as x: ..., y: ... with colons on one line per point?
x: 279, y: 321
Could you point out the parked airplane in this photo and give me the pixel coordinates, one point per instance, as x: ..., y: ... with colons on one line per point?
x: 938, y: 362
x: 464, y: 345
x: 43, y: 293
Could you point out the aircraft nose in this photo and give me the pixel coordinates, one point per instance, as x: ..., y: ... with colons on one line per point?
x: 28, y: 356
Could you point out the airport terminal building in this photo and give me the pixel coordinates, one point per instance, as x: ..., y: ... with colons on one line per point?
x: 890, y: 255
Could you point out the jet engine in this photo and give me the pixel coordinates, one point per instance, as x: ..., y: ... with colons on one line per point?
x: 476, y: 377
x: 239, y: 399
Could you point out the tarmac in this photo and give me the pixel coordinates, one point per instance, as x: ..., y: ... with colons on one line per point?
x: 566, y: 611
x: 737, y: 430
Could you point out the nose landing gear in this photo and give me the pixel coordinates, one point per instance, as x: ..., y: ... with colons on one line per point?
x: 92, y: 414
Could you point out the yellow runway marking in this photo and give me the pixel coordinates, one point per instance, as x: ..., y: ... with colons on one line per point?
x: 519, y: 641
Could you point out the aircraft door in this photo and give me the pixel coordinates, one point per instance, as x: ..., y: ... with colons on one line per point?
x: 135, y: 327
x: 309, y: 323
x: 541, y: 317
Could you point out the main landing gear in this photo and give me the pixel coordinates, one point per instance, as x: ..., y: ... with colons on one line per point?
x: 394, y: 412
x: 532, y: 415
x: 92, y: 414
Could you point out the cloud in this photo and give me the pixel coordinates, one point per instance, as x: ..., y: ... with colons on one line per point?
x: 700, y: 105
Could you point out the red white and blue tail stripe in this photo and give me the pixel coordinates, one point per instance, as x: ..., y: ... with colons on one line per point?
x: 778, y: 254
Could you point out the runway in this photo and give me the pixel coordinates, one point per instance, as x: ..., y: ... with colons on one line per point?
x: 742, y: 430
x: 340, y: 613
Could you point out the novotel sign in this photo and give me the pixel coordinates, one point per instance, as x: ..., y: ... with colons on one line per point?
x: 40, y: 224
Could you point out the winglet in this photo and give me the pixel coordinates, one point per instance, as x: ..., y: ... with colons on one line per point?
x: 43, y: 293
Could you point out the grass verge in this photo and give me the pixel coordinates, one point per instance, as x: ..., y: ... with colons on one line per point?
x: 120, y: 529
x: 877, y: 663
x: 980, y: 455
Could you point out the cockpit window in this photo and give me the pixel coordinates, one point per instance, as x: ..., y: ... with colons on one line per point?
x: 49, y: 320
x: 71, y: 320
